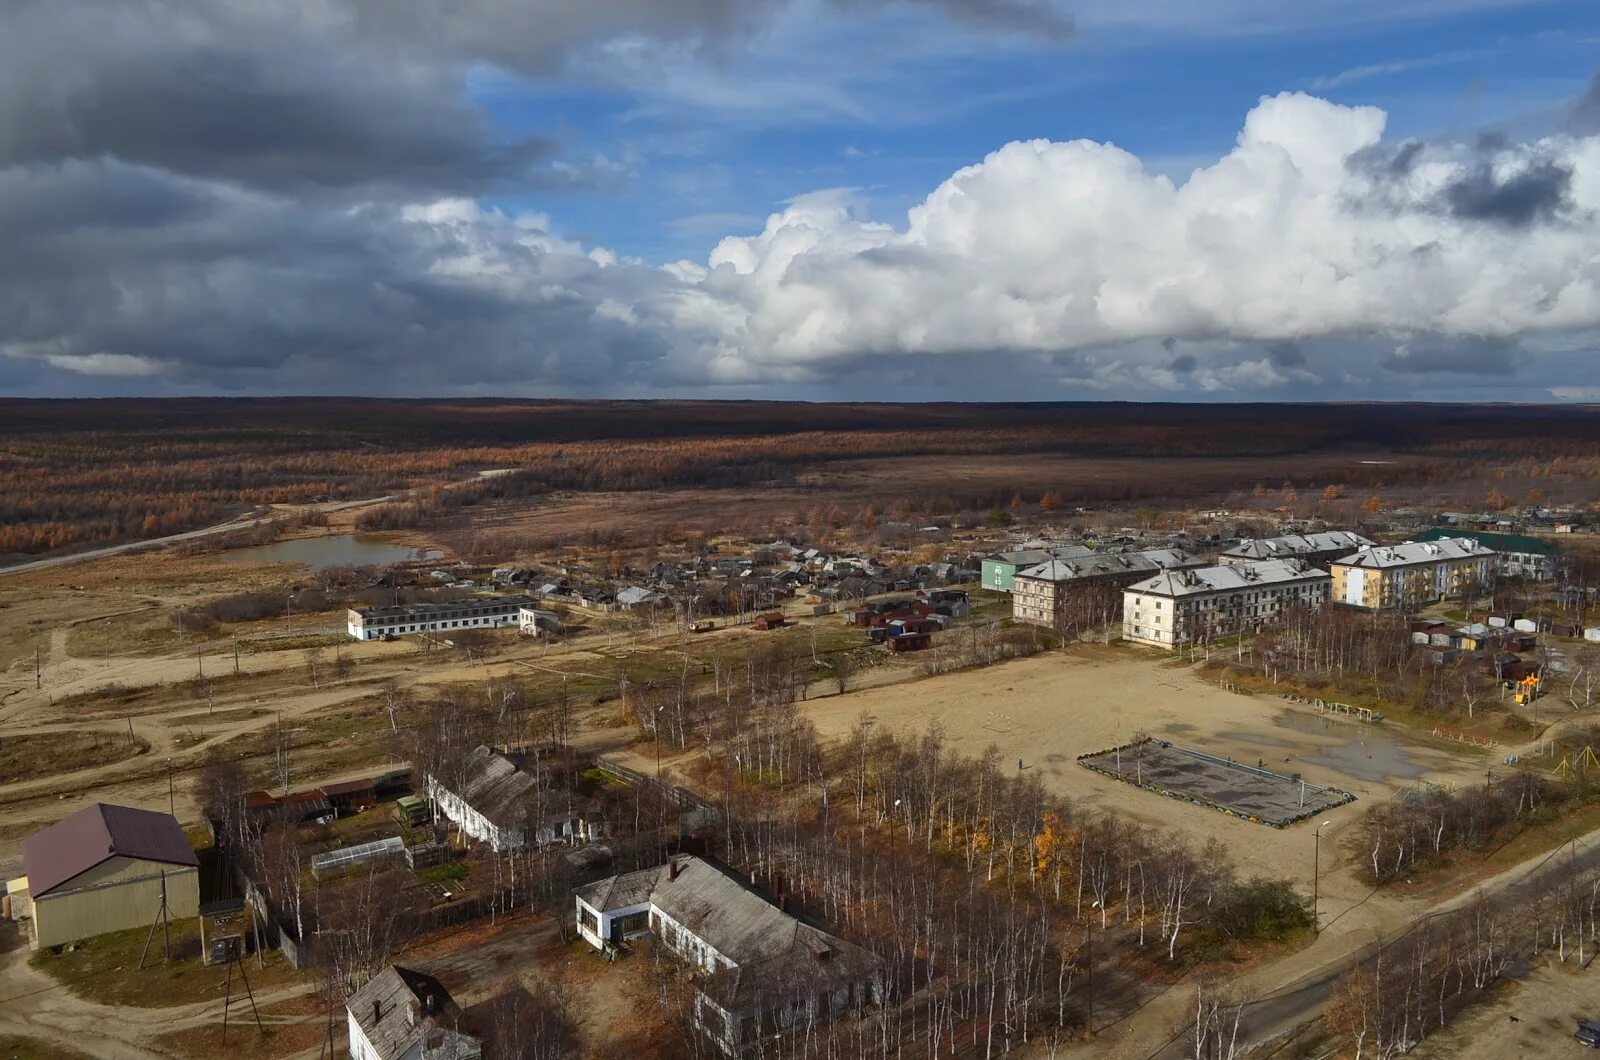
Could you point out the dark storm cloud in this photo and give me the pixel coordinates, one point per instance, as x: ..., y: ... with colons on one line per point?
x: 1540, y: 191
x: 269, y: 119
x: 1465, y: 356
x: 1286, y: 354
x: 233, y: 290
x: 1184, y: 362
x: 207, y: 92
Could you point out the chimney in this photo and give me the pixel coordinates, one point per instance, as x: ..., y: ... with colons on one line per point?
x: 672, y: 869
x: 377, y: 1010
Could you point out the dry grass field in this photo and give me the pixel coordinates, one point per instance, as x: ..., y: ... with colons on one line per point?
x: 1049, y: 709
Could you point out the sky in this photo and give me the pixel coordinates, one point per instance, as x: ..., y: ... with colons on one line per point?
x: 1237, y: 200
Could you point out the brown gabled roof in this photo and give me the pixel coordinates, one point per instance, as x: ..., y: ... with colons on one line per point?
x: 69, y: 848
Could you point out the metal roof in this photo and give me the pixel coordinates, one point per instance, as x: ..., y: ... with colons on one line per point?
x: 424, y: 611
x: 1228, y: 578
x: 1492, y: 539
x: 71, y: 847
x: 1297, y: 545
x: 1413, y: 552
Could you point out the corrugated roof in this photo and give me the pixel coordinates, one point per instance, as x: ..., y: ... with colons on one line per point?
x: 1411, y: 552
x: 1493, y: 539
x: 69, y: 848
x: 1228, y: 578
x: 1297, y: 545
x: 769, y: 946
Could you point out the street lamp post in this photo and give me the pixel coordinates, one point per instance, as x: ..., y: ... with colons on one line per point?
x: 1316, y: 877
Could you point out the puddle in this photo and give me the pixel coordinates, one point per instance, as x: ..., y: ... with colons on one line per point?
x: 1356, y: 751
x: 320, y: 553
x: 1369, y: 759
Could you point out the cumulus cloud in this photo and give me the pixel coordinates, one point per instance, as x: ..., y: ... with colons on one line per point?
x: 1062, y: 246
x: 340, y: 248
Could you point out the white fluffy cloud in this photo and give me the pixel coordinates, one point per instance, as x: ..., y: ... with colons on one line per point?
x: 1313, y: 255
x: 1311, y: 227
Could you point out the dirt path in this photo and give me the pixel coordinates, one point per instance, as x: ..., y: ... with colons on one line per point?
x: 34, y: 1005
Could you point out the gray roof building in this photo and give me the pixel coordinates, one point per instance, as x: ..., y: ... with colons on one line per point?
x: 1413, y: 552
x: 1292, y: 546
x: 1196, y: 582
x: 401, y: 1014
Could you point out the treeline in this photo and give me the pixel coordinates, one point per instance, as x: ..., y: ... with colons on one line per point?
x: 78, y: 472
x: 1336, y: 653
x: 987, y: 898
x: 1413, y: 986
x: 1398, y: 841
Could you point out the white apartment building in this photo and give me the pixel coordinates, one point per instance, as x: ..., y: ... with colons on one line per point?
x: 1178, y: 607
x: 483, y: 612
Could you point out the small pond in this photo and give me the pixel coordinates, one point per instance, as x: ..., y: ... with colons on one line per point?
x: 320, y: 553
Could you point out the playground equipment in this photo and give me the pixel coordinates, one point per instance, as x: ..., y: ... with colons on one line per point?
x: 1574, y: 765
x: 1527, y: 689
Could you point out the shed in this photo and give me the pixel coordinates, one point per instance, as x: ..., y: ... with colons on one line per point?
x: 108, y: 868
x: 410, y: 809
x: 350, y: 796
x: 770, y: 620
x: 910, y: 642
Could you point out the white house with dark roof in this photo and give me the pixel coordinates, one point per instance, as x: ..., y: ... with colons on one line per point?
x: 496, y: 799
x: 402, y: 1014
x: 1183, y: 606
x: 770, y: 973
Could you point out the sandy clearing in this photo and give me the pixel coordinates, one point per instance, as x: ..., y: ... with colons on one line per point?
x: 1049, y: 709
x: 1534, y: 1016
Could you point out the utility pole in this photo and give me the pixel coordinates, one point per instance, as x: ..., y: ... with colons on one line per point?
x: 236, y: 655
x: 172, y: 800
x: 38, y: 677
x: 199, y: 663
x: 1088, y: 949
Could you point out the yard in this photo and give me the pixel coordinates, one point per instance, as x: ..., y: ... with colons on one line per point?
x: 105, y: 969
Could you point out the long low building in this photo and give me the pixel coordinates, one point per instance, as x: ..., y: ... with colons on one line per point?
x: 762, y: 970
x: 481, y: 612
x: 1185, y: 606
x: 1417, y: 572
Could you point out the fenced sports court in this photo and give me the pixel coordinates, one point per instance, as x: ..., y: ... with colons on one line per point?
x: 1233, y: 788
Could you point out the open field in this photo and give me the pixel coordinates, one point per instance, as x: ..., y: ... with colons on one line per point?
x: 30, y: 755
x: 1532, y: 1015
x: 1049, y: 709
x: 948, y: 482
